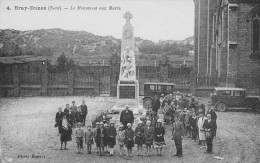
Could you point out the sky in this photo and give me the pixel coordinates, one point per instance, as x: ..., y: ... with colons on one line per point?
x: 152, y: 19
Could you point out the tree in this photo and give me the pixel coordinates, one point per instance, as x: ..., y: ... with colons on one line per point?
x: 62, y: 62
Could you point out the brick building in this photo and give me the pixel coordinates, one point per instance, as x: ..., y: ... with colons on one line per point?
x: 227, y: 44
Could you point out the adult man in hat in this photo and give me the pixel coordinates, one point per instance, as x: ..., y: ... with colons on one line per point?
x: 126, y: 116
x: 177, y: 135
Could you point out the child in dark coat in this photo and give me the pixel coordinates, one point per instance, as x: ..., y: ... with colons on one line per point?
x: 89, y: 138
x: 159, y: 132
x: 193, y: 126
x: 139, y: 138
x: 79, y: 133
x: 111, y: 133
x: 101, y: 137
x: 148, y: 136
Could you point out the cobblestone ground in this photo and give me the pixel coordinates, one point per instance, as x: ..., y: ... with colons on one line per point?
x: 27, y: 128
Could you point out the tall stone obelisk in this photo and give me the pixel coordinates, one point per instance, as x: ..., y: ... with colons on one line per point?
x: 127, y: 66
x: 128, y: 86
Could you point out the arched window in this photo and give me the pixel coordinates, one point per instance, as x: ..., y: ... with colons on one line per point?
x: 256, y: 33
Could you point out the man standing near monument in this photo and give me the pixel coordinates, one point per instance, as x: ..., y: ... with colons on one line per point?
x: 213, y: 118
x: 126, y: 116
x: 84, y: 110
x: 177, y: 135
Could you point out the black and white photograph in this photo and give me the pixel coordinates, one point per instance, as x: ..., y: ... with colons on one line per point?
x: 111, y: 81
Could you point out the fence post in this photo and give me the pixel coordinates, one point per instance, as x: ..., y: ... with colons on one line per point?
x: 44, y: 79
x: 114, y: 72
x: 70, y: 81
x: 164, y: 68
x: 16, y: 79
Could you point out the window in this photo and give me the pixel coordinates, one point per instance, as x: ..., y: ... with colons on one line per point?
x: 214, y: 28
x: 169, y: 88
x: 159, y: 87
x: 238, y: 93
x: 222, y: 26
x: 256, y: 33
x: 227, y: 93
x: 152, y: 87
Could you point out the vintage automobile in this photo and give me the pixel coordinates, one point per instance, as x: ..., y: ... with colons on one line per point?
x: 227, y: 97
x: 152, y: 89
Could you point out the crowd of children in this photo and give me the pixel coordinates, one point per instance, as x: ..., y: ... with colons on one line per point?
x: 187, y: 115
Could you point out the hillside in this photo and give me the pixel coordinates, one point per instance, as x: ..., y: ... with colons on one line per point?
x: 78, y: 45
x: 53, y: 42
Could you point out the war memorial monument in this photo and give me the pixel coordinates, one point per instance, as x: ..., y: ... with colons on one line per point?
x: 128, y: 85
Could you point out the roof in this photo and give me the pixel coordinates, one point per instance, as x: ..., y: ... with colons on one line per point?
x: 229, y: 89
x: 22, y: 59
x: 161, y: 83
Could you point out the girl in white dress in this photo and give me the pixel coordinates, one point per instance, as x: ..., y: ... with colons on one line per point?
x: 202, y: 136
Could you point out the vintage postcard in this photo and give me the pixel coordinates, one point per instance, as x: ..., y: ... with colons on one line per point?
x: 129, y: 81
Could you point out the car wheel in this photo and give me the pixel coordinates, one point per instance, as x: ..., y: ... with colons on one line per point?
x: 221, y: 107
x: 147, y: 102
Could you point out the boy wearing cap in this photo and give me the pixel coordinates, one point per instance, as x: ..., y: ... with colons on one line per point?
x: 89, y: 138
x: 111, y: 133
x: 148, y: 137
x: 79, y: 133
x: 129, y: 139
x: 95, y: 135
x: 139, y: 137
x: 73, y: 109
x: 121, y: 138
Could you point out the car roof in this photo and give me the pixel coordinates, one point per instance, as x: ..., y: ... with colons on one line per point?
x: 228, y: 89
x: 161, y: 83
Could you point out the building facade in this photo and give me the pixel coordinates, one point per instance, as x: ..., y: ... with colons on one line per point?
x: 227, y: 44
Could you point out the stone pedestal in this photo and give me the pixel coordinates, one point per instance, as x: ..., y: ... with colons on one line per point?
x: 128, y: 90
x: 127, y: 94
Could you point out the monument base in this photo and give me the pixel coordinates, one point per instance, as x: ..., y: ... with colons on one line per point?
x: 127, y: 94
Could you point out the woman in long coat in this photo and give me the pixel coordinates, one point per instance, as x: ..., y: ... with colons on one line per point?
x: 65, y: 131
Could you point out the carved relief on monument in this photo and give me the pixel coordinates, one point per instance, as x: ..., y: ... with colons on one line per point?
x: 128, y: 64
